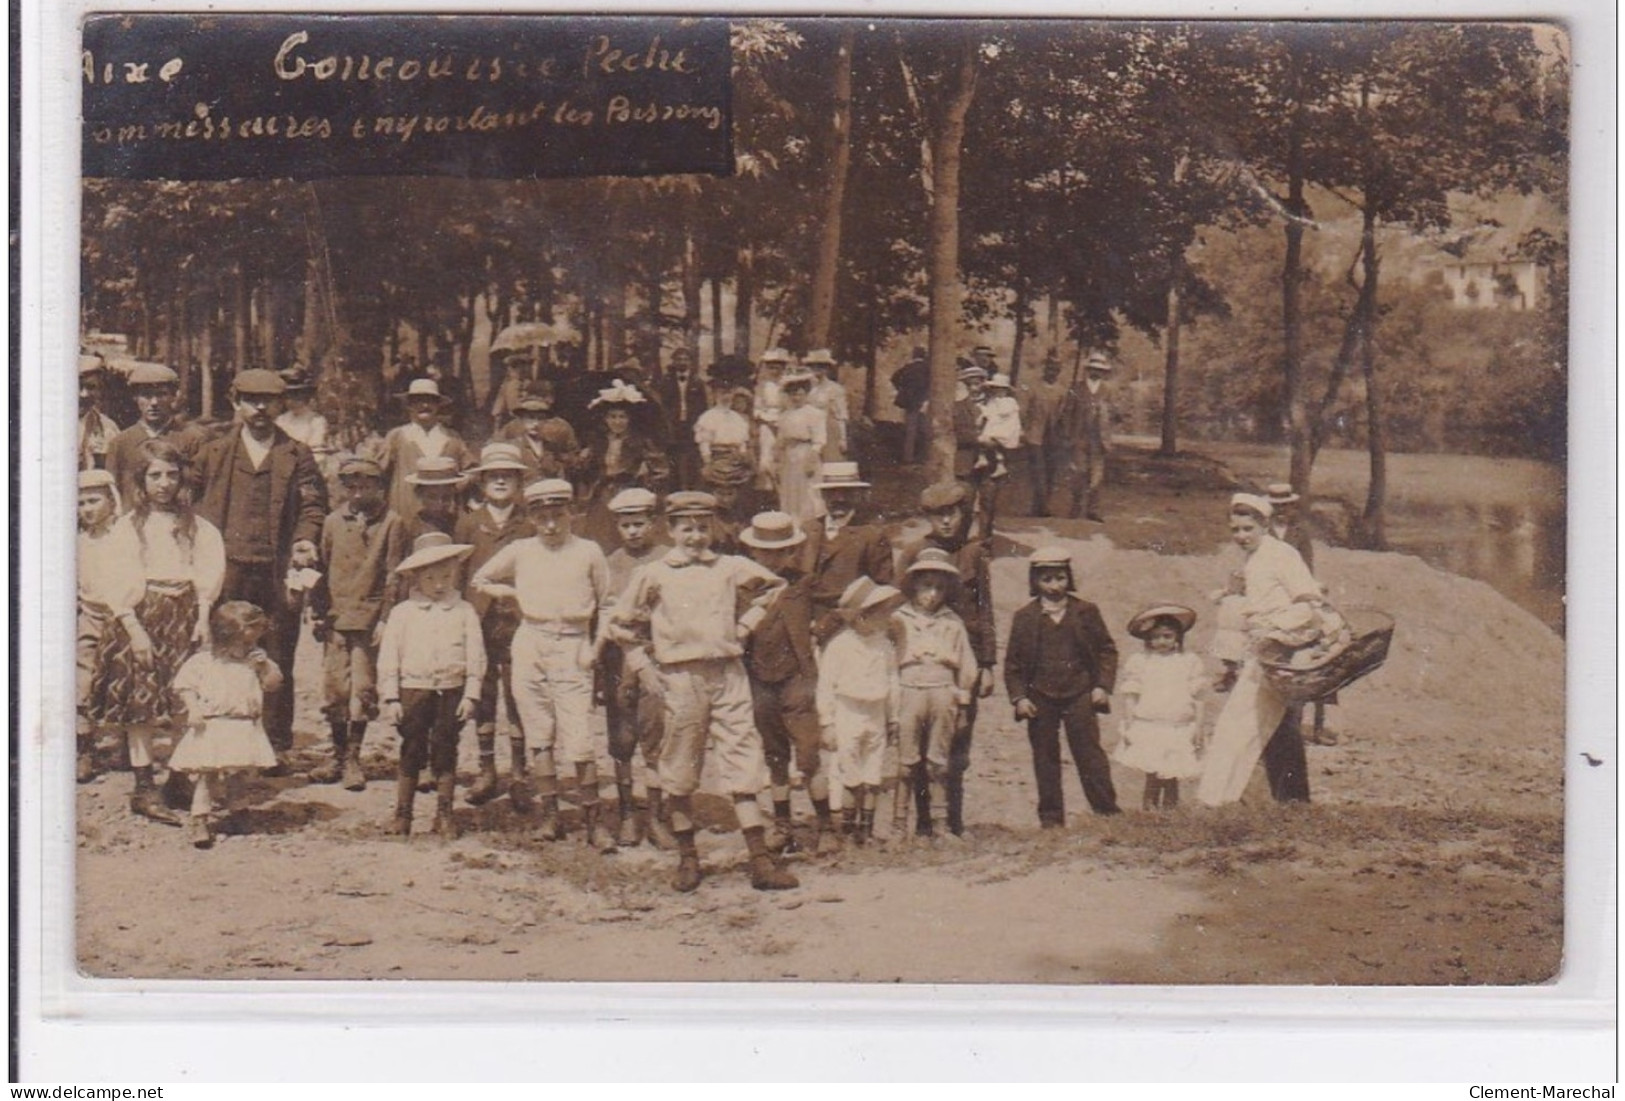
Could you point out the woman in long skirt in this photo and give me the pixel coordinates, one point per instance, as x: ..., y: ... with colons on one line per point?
x: 1275, y: 583
x: 802, y: 435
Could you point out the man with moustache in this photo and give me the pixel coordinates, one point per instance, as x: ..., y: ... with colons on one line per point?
x: 262, y: 489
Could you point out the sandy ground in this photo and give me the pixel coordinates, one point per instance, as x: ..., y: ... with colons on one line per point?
x: 1433, y: 853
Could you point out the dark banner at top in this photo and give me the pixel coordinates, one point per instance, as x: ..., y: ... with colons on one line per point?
x: 186, y: 97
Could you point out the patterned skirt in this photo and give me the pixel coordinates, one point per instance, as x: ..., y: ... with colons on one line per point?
x: 126, y: 692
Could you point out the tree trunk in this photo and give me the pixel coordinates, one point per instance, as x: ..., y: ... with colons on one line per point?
x: 716, y: 318
x: 692, y: 284
x: 873, y: 343
x: 821, y: 309
x: 946, y: 144
x: 1170, y: 366
x: 744, y: 303
x: 1374, y: 522
x: 1297, y: 213
x: 240, y: 320
x: 1019, y: 309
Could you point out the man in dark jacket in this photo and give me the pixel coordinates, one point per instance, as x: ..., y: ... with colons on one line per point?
x: 681, y: 393
x: 262, y: 489
x: 839, y: 549
x: 1059, y: 669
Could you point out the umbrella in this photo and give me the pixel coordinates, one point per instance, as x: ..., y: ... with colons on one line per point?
x: 534, y: 334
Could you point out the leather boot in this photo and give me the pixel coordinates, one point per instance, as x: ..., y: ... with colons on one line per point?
x: 688, y: 869
x: 594, y: 834
x: 445, y: 823
x: 1170, y: 794
x: 548, y: 826
x: 765, y: 873
x: 628, y: 835
x: 85, y: 766
x: 198, y: 831
x: 146, y: 801
x: 485, y: 785
x: 330, y: 771
x: 954, y: 790
x: 660, y: 833
x: 406, y: 789
x: 519, y: 795
x: 355, y: 777
x: 866, y: 825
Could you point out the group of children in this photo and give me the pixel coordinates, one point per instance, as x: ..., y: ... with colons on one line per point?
x: 734, y: 667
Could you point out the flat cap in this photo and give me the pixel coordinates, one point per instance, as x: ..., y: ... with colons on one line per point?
x: 944, y: 495
x: 549, y: 491
x: 635, y: 499
x: 690, y: 502
x: 257, y: 380
x: 156, y: 374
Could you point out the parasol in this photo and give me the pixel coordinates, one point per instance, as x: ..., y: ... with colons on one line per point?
x: 534, y: 334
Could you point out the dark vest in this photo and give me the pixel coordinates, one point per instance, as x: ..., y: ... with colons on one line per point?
x: 1060, y: 669
x: 249, y: 534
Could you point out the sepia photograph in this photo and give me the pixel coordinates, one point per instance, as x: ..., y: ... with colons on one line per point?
x: 821, y: 500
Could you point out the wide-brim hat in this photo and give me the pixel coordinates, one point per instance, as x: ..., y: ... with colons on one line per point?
x: 432, y: 547
x: 933, y: 560
x: 1097, y: 361
x: 157, y: 374
x: 971, y: 372
x: 1281, y: 493
x: 98, y: 479
x: 864, y: 595
x: 691, y: 502
x: 982, y: 350
x: 91, y: 365
x: 775, y: 355
x: 619, y: 394
x: 437, y: 470
x: 255, y: 380
x: 423, y: 388
x: 818, y: 357
x: 840, y: 475
x: 944, y: 495
x: 498, y: 456
x: 797, y: 376
x: 772, y: 531
x: 998, y: 380
x: 549, y: 491
x: 1140, y: 626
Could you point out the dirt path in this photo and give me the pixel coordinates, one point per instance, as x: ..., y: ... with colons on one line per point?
x: 1433, y: 853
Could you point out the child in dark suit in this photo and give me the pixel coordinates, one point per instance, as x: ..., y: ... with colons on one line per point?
x: 1059, y: 668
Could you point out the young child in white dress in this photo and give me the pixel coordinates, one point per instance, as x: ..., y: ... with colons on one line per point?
x: 859, y: 699
x: 1162, y: 714
x: 221, y: 692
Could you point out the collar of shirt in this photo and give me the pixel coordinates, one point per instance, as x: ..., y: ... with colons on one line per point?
x: 678, y: 558
x: 912, y: 612
x: 498, y: 516
x: 256, y: 450
x: 357, y: 516
x: 834, y: 527
x: 1093, y: 384
x: 446, y: 603
x: 1055, y: 609
x: 413, y: 428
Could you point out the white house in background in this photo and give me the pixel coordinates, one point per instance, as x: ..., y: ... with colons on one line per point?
x: 1492, y: 284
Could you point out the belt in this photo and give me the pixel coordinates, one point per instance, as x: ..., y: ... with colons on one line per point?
x: 559, y: 628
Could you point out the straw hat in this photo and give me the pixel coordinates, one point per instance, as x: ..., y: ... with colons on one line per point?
x: 772, y: 531
x: 971, y: 372
x: 818, y: 357
x: 432, y: 547
x: 775, y: 355
x: 424, y: 388
x: 498, y: 456
x: 1281, y: 493
x: 436, y: 470
x: 999, y: 380
x: 864, y: 595
x: 91, y: 364
x: 617, y: 393
x: 1097, y: 361
x: 840, y: 475
x: 933, y: 560
x: 1140, y: 626
x: 796, y: 376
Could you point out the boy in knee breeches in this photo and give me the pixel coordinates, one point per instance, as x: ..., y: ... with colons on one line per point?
x: 362, y: 543
x: 784, y: 678
x: 431, y: 663
x: 937, y: 670
x: 628, y: 681
x: 560, y: 582
x: 688, y: 600
x: 498, y: 521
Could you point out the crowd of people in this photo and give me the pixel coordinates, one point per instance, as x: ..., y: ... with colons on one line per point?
x: 705, y: 573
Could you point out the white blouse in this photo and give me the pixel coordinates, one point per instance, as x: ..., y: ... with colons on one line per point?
x: 165, y: 558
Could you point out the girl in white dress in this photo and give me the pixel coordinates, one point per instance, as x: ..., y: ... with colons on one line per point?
x: 1162, y: 718
x: 220, y: 693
